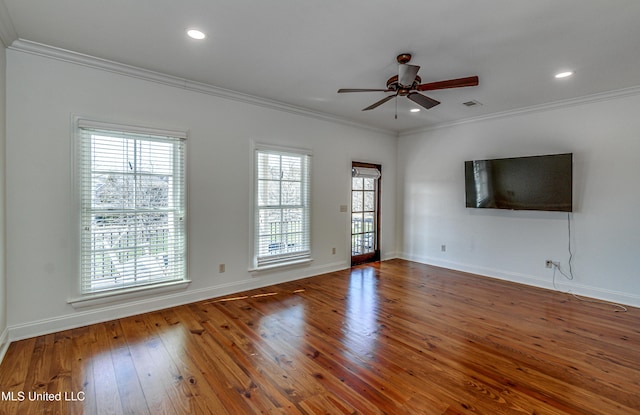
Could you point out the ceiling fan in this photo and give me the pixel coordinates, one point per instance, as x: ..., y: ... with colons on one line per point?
x: 407, y: 84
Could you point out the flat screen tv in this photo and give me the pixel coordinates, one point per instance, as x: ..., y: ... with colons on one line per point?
x: 521, y: 183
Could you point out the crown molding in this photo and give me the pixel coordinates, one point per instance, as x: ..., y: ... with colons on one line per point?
x: 40, y: 49
x: 8, y: 32
x: 587, y: 99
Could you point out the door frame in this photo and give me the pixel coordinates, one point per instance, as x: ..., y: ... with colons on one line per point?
x: 375, y: 255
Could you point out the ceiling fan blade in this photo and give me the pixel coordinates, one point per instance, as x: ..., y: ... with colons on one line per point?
x: 377, y: 104
x: 340, y: 91
x: 451, y: 83
x: 407, y: 74
x: 422, y: 100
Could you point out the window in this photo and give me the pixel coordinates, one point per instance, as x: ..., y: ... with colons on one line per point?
x: 132, y: 207
x: 281, y: 206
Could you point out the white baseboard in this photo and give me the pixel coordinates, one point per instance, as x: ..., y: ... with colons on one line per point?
x: 84, y: 317
x: 616, y: 297
x: 4, y: 343
x: 389, y: 255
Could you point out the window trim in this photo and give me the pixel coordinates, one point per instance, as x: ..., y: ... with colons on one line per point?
x: 78, y: 298
x: 285, y: 261
x: 108, y: 297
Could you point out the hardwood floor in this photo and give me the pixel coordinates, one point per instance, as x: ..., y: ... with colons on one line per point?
x: 391, y: 338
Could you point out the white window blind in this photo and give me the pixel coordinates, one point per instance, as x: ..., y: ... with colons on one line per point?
x: 368, y: 172
x: 132, y: 201
x: 282, y: 214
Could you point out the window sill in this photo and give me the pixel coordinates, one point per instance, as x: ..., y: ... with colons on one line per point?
x: 103, y: 298
x: 281, y: 265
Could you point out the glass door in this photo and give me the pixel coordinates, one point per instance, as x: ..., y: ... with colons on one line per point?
x: 365, y: 212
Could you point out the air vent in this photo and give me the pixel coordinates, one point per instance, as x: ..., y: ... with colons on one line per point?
x: 472, y: 103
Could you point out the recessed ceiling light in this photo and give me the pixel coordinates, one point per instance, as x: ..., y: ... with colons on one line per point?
x: 415, y: 110
x: 564, y: 74
x: 196, y: 34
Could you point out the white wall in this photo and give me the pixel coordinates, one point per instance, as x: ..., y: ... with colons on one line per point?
x: 43, y: 94
x: 604, y: 137
x: 3, y: 280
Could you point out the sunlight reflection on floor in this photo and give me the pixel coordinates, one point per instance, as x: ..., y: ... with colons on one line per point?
x: 361, y: 327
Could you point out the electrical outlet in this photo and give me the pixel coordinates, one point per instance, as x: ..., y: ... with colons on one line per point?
x: 443, y: 248
x: 333, y: 251
x: 221, y: 268
x: 548, y: 263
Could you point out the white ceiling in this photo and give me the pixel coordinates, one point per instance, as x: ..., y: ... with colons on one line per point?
x: 300, y: 52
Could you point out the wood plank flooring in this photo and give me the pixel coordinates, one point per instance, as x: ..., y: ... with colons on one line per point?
x: 389, y: 338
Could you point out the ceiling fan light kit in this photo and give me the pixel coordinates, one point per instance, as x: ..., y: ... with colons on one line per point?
x: 407, y: 83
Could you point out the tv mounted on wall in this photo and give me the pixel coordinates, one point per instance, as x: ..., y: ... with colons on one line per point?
x: 521, y: 183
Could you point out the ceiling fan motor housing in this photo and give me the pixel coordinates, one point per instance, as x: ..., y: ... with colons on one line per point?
x: 392, y: 84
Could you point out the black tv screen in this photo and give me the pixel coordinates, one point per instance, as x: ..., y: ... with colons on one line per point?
x: 521, y: 183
